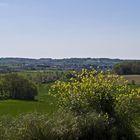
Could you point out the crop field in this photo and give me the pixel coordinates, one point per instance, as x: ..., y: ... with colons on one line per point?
x: 135, y: 78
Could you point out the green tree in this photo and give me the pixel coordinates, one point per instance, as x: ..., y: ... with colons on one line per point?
x: 19, y: 87
x: 130, y: 67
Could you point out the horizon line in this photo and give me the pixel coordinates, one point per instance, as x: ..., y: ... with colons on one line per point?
x: 53, y: 58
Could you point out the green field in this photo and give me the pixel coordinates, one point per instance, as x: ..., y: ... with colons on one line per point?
x: 44, y: 104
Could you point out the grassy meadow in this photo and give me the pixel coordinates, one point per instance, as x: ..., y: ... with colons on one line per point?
x: 43, y: 104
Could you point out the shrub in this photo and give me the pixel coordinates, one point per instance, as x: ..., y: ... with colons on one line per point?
x: 105, y: 94
x: 90, y: 91
x: 62, y: 126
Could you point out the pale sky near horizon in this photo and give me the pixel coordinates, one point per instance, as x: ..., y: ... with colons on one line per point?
x: 70, y: 28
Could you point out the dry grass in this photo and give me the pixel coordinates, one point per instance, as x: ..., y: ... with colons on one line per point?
x: 130, y: 78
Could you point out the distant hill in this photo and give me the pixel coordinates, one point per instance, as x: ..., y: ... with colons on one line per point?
x: 19, y: 64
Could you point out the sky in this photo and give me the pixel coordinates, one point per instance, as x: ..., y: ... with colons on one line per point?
x: 70, y: 28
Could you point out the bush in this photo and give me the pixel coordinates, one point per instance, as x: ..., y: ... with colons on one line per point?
x: 104, y: 93
x: 62, y: 126
x: 90, y: 91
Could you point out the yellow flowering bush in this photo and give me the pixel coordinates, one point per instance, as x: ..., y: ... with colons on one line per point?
x: 91, y: 90
x: 104, y: 93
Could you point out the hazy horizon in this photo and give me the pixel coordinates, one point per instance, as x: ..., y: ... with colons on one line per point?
x: 70, y: 29
x: 37, y: 58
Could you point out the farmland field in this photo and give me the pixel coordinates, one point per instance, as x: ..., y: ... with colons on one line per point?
x: 130, y: 78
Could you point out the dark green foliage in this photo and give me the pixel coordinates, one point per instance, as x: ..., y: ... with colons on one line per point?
x: 133, y: 82
x: 126, y: 68
x: 19, y: 87
x: 14, y: 86
x: 4, y: 93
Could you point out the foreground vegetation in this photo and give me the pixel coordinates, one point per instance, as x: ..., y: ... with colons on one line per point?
x: 90, y: 105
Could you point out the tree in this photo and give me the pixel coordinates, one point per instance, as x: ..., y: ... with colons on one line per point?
x: 19, y: 88
x: 4, y: 94
x: 132, y: 67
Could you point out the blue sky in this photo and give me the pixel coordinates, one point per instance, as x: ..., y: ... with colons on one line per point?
x: 70, y: 28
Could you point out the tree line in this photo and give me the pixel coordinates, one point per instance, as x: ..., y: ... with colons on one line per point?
x: 127, y: 68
